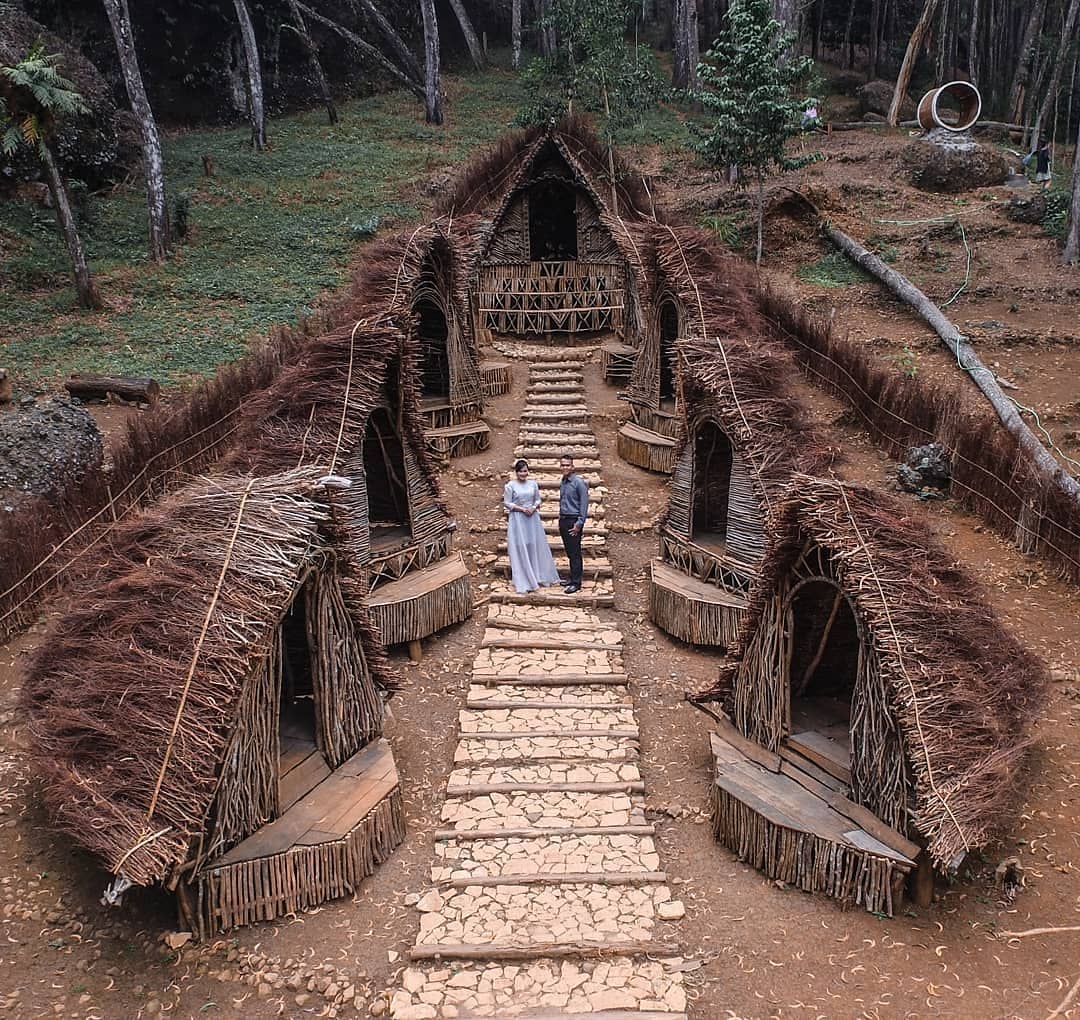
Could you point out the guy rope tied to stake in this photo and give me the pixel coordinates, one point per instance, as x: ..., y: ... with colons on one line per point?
x: 191, y: 673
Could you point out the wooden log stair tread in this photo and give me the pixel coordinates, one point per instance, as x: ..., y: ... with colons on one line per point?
x: 521, y: 635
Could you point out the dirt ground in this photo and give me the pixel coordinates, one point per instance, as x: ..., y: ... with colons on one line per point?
x: 765, y: 951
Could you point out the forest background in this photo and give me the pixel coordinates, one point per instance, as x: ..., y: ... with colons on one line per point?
x: 283, y: 134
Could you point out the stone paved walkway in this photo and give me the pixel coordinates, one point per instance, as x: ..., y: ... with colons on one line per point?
x: 547, y: 888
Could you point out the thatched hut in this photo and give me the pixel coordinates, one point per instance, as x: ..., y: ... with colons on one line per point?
x: 419, y: 280
x: 559, y: 253
x: 207, y: 713
x: 878, y: 711
x: 349, y: 406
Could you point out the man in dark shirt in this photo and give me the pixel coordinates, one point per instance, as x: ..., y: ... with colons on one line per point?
x: 573, y: 509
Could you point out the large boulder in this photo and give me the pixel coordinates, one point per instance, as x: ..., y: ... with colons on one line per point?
x: 88, y: 146
x: 926, y: 471
x: 950, y: 162
x: 44, y: 448
x: 876, y: 97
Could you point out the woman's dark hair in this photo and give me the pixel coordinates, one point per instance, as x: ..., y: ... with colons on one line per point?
x: 519, y: 464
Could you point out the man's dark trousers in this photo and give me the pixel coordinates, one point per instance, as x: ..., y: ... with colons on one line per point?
x: 572, y: 543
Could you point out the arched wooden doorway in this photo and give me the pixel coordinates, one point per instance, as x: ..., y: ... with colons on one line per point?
x: 668, y: 330
x: 711, y: 484
x: 823, y: 664
x: 432, y: 334
x: 553, y: 233
x: 387, y: 493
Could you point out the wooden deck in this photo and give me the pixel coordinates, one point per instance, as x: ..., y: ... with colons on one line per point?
x: 422, y: 602
x: 321, y: 847
x: 694, y: 611
x: 772, y: 811
x: 458, y: 440
x: 645, y: 449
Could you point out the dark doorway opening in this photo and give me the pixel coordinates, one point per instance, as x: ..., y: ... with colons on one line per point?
x: 712, y: 484
x: 302, y: 766
x: 824, y: 664
x: 384, y: 469
x: 434, y: 358
x: 669, y: 333
x: 552, y: 223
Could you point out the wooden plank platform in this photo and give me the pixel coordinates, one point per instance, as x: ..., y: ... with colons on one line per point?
x: 327, y: 812
x: 458, y: 440
x: 693, y: 610
x: 423, y: 601
x: 645, y: 449
x: 800, y: 833
x: 617, y: 362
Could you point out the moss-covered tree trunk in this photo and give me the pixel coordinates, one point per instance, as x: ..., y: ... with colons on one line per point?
x: 65, y: 218
x: 432, y: 97
x: 157, y: 206
x: 256, y: 105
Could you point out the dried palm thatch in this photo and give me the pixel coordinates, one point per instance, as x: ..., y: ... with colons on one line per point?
x: 134, y: 694
x: 487, y: 183
x: 940, y: 725
x: 991, y: 475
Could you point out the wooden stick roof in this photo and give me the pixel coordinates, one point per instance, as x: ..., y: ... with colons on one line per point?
x: 963, y: 690
x: 132, y: 696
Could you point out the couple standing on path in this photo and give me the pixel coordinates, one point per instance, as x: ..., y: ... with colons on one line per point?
x: 531, y: 564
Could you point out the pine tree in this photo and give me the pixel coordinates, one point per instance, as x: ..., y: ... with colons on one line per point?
x: 753, y: 89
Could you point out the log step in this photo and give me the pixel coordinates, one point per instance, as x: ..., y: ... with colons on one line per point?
x: 543, y: 832
x: 562, y: 878
x: 601, y: 600
x: 549, y: 680
x: 484, y: 789
x: 545, y: 950
x: 594, y: 568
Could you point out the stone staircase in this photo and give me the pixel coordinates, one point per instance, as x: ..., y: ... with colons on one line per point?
x: 548, y: 898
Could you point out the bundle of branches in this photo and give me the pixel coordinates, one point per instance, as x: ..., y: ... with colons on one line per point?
x: 964, y: 692
x: 133, y: 693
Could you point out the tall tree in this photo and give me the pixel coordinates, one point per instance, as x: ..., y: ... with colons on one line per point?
x: 34, y: 100
x: 687, y: 54
x: 751, y: 88
x: 157, y: 206
x: 256, y: 106
x: 432, y: 85
x: 910, y: 55
x: 476, y: 51
x: 1060, y: 59
x: 515, y: 32
x: 300, y: 27
x: 1072, y: 234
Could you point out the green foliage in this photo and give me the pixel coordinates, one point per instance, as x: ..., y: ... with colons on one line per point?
x: 1056, y: 220
x: 729, y: 228
x: 906, y: 362
x: 34, y: 96
x: 833, y: 270
x: 753, y: 88
x: 594, y: 67
x: 269, y: 234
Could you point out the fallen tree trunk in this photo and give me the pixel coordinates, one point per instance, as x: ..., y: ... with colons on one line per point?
x: 88, y: 386
x: 966, y: 357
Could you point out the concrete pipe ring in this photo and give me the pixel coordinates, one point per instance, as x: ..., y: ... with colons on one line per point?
x: 939, y: 103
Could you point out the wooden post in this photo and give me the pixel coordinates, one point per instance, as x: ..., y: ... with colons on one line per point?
x: 416, y: 650
x: 921, y: 884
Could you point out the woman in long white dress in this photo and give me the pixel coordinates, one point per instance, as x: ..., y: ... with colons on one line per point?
x: 531, y: 562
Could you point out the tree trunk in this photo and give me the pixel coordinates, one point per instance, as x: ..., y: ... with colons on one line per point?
x: 84, y: 286
x: 432, y: 98
x: 1055, y: 73
x: 256, y: 110
x: 397, y: 44
x: 848, y: 57
x: 1072, y: 236
x: 875, y: 40
x: 685, y: 44
x: 476, y: 52
x: 973, y: 44
x: 1023, y: 64
x: 548, y: 43
x: 157, y: 207
x: 515, y: 31
x: 414, y: 85
x: 760, y: 217
x: 965, y: 356
x: 313, y: 58
x: 913, y: 47
x: 91, y: 386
